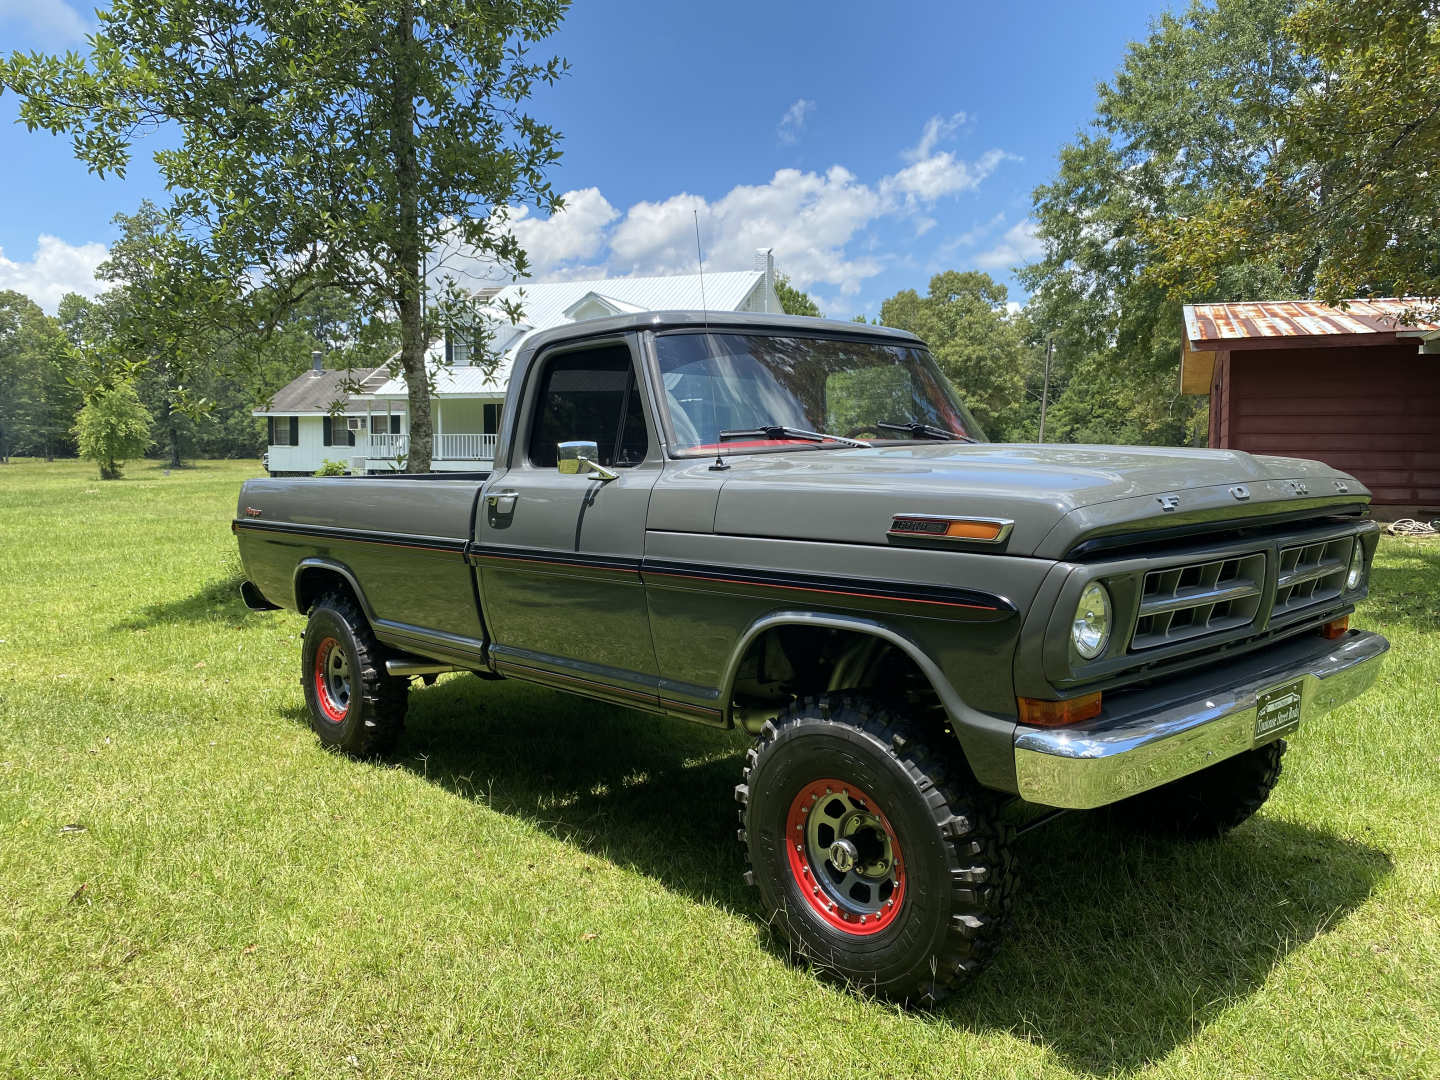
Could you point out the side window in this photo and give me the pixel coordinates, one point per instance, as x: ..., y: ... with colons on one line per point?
x: 591, y: 395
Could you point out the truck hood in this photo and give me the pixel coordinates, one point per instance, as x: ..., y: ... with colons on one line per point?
x: 1056, y: 495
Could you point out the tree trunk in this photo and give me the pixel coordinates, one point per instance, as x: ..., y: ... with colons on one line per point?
x: 173, y: 430
x: 408, y: 277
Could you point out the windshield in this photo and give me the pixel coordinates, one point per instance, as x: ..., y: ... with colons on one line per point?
x: 724, y: 390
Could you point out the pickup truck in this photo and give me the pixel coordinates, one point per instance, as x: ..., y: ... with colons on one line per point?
x: 795, y: 527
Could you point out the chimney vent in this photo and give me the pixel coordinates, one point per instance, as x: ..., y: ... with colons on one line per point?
x: 765, y: 263
x: 317, y: 361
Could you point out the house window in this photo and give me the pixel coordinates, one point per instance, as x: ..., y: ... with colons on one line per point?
x: 380, y: 424
x: 284, y: 431
x: 492, y: 418
x: 337, y: 431
x: 590, y: 395
x: 457, y: 349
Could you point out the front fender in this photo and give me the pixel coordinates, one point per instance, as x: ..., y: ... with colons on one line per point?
x: 987, y: 740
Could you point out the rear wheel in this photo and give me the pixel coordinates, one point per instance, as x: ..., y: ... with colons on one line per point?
x: 354, y: 705
x: 1210, y: 802
x: 877, y: 861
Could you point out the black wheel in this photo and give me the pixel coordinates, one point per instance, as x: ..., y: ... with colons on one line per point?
x: 1210, y: 802
x: 878, y: 863
x: 354, y: 705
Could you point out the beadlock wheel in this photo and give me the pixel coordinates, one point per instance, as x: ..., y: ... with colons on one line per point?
x: 845, y: 857
x: 877, y: 859
x: 332, y: 680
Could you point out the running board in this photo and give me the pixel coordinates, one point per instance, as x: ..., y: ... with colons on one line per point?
x: 407, y: 668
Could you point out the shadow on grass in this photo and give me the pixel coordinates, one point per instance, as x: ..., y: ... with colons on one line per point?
x: 1122, y: 947
x: 218, y: 599
x: 1405, y: 594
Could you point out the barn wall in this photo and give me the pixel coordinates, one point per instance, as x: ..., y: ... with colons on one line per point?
x: 1373, y: 412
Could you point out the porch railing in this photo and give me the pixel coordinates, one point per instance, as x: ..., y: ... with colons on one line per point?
x: 447, y: 447
x: 465, y: 447
x: 387, y: 446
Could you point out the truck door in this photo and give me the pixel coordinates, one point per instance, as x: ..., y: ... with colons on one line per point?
x: 559, y: 554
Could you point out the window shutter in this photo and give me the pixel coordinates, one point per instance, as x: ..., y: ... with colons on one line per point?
x: 327, y: 430
x: 270, y: 430
x: 294, y: 431
x: 394, y: 425
x: 449, y: 348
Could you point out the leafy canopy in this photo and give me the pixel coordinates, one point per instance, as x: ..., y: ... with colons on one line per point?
x: 1349, y: 198
x: 1187, y: 115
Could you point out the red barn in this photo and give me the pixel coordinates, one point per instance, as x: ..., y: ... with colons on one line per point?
x: 1354, y: 387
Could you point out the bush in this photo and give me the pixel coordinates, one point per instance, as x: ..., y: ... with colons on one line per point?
x: 329, y: 467
x: 112, y: 426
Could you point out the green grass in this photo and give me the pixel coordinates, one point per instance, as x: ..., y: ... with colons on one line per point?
x: 540, y: 886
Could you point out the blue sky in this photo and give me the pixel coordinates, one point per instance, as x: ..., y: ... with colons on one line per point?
x: 870, y: 145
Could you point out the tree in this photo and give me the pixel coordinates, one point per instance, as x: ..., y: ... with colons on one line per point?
x: 793, y: 301
x: 1187, y: 115
x: 37, y: 401
x: 319, y: 144
x: 112, y: 426
x: 1350, y: 197
x: 978, y: 343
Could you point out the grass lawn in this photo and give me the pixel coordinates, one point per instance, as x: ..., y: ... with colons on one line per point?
x: 540, y: 886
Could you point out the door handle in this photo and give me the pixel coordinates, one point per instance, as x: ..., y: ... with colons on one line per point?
x: 502, y: 502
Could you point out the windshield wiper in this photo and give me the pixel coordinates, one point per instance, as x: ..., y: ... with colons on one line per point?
x: 917, y: 430
x: 781, y: 431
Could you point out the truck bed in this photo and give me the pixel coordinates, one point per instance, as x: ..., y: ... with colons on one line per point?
x: 403, y: 536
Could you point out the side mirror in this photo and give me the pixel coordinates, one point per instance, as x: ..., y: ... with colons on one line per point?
x: 574, y: 458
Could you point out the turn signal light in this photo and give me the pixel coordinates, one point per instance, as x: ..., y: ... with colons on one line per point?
x: 1039, y: 713
x: 974, y: 530
x: 1336, y: 628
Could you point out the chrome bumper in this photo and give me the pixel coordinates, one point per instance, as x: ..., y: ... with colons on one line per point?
x: 1153, y: 738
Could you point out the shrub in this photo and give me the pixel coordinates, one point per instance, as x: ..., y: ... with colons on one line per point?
x: 112, y: 426
x: 330, y: 467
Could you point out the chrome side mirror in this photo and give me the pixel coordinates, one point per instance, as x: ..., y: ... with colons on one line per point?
x: 574, y: 458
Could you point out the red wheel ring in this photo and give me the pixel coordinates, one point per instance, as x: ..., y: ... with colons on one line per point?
x: 845, y: 857
x: 332, y: 680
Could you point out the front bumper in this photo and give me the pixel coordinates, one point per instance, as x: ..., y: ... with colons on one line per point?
x: 1154, y: 736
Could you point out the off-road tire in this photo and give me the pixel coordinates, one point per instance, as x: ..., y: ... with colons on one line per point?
x: 959, y: 879
x: 1208, y: 803
x: 365, y: 722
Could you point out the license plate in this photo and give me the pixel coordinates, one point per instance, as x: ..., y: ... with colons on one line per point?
x: 1277, y: 710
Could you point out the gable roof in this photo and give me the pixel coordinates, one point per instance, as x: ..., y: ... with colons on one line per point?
x: 549, y: 304
x: 1221, y: 326
x: 319, y: 391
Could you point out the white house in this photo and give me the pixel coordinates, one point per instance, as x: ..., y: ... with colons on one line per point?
x: 310, y: 420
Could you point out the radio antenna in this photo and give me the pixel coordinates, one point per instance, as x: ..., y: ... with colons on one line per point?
x: 719, y: 465
x: 700, y: 261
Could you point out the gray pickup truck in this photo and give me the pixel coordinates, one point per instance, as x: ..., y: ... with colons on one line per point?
x: 795, y: 527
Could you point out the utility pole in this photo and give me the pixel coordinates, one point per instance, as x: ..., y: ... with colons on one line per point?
x: 1045, y: 387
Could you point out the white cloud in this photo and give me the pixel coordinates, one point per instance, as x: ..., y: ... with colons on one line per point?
x: 55, y: 268
x: 818, y: 223
x: 937, y: 129
x: 934, y: 177
x: 1018, y: 245
x: 53, y: 21
x: 788, y: 130
x: 576, y: 232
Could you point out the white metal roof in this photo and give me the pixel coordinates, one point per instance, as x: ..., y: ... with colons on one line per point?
x: 547, y: 304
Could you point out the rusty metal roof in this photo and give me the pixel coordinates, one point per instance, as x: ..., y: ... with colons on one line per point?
x: 1218, y: 326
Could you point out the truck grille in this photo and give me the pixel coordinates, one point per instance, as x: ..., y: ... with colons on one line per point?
x: 1184, y: 602
x: 1311, y: 573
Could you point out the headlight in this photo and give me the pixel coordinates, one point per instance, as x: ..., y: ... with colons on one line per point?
x: 1356, y: 574
x: 1091, y: 628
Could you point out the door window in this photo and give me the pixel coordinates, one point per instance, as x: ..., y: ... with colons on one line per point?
x: 591, y: 396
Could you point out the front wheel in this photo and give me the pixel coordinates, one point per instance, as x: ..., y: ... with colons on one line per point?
x: 355, y: 706
x: 878, y: 863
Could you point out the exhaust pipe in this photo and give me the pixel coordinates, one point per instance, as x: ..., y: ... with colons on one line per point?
x: 407, y: 668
